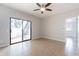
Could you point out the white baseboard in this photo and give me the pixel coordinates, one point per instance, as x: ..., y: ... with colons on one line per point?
x: 35, y: 38
x: 4, y: 45
x: 57, y: 39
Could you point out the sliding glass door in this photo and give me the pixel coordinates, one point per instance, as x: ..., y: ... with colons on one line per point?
x: 16, y: 30
x: 20, y: 30
x: 26, y: 30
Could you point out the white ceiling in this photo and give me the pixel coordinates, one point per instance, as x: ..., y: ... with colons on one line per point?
x: 56, y: 7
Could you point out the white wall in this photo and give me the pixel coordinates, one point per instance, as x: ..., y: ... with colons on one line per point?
x: 54, y: 27
x: 5, y: 14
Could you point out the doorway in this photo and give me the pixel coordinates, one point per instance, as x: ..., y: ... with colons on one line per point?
x: 20, y: 30
x: 71, y: 36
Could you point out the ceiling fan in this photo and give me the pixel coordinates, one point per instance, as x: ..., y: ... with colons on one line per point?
x: 43, y: 7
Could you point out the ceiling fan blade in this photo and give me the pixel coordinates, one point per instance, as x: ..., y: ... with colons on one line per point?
x: 41, y: 12
x: 36, y: 9
x: 42, y: 5
x: 48, y: 4
x: 49, y: 9
x: 38, y: 4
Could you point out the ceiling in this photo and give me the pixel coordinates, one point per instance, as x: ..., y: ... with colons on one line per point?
x: 56, y: 7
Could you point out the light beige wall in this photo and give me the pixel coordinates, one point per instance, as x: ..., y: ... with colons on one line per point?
x: 5, y: 14
x: 54, y: 27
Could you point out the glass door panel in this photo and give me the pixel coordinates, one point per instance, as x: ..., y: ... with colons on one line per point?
x: 26, y: 30
x: 16, y: 30
x: 71, y: 36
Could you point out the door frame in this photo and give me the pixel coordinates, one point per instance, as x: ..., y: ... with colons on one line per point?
x: 22, y: 30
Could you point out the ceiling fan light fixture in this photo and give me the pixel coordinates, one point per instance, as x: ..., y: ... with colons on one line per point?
x: 42, y: 9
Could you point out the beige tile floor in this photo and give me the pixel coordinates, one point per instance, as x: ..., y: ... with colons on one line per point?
x: 39, y: 47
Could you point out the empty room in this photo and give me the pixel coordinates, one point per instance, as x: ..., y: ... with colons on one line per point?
x: 39, y: 29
